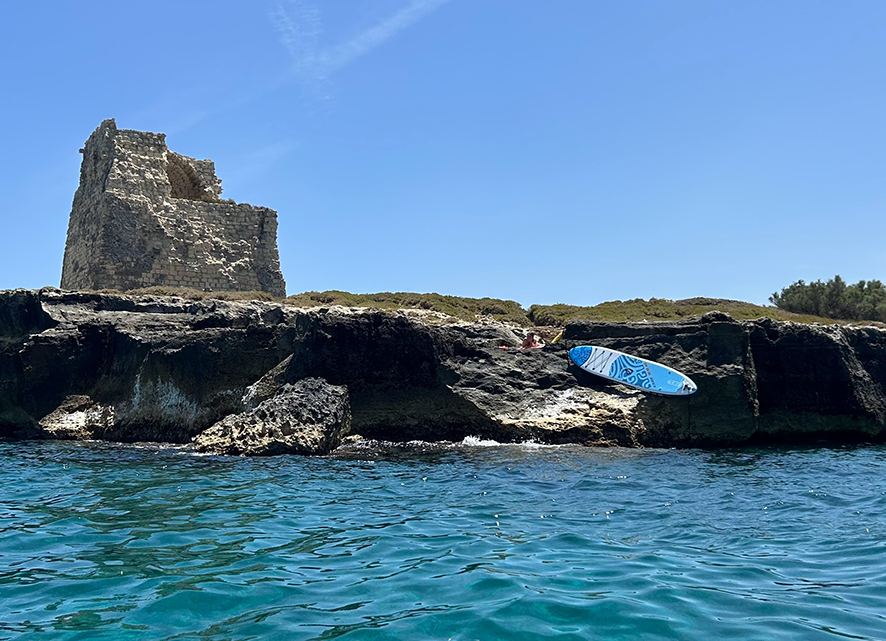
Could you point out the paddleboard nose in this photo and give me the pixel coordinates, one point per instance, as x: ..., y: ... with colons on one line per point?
x: 580, y: 354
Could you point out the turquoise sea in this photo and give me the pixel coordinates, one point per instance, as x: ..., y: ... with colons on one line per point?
x: 469, y: 541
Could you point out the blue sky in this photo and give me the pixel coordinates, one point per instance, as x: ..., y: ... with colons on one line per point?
x: 570, y: 151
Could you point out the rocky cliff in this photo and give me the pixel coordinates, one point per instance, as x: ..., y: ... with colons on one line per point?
x: 127, y: 368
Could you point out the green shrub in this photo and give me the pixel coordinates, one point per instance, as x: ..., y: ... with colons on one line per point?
x: 865, y: 300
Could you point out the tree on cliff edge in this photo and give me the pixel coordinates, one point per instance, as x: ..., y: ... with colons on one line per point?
x: 865, y: 300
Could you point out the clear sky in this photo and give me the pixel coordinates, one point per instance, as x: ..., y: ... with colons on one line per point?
x: 569, y: 151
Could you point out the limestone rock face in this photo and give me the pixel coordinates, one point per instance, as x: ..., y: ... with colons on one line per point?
x: 714, y: 351
x: 309, y: 417
x: 144, y: 215
x: 21, y: 315
x: 819, y: 380
x: 166, y: 369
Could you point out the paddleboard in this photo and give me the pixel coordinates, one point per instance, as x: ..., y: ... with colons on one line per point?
x: 648, y: 376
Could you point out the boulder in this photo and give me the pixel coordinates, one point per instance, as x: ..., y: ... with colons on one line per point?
x: 308, y: 417
x: 77, y: 418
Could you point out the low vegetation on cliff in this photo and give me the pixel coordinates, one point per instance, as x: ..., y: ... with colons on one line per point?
x: 508, y: 311
x: 659, y: 309
x: 636, y: 310
x: 464, y: 308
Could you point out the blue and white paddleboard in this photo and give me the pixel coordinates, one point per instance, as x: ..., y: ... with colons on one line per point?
x: 648, y: 376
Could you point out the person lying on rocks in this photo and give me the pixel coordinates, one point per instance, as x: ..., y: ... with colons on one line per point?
x: 530, y: 342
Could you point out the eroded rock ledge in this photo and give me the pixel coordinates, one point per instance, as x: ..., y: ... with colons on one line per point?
x: 126, y: 368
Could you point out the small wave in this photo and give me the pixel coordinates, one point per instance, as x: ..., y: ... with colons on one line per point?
x: 476, y: 441
x: 426, y: 446
x: 98, y: 444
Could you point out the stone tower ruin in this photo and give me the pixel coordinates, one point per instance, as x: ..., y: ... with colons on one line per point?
x: 144, y: 215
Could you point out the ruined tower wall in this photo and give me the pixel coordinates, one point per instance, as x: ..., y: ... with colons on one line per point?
x: 144, y: 215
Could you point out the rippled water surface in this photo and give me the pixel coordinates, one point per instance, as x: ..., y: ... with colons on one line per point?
x: 471, y: 541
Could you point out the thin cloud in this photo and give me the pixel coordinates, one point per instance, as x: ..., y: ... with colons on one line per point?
x: 299, y: 26
x: 377, y: 35
x: 299, y: 29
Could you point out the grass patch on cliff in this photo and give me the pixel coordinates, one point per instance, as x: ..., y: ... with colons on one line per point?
x: 469, y: 309
x: 472, y: 309
x: 660, y: 309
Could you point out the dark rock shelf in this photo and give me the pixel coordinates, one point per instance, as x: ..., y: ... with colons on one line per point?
x: 127, y: 368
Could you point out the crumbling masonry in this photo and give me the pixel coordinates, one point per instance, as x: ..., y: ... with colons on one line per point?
x: 144, y: 215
